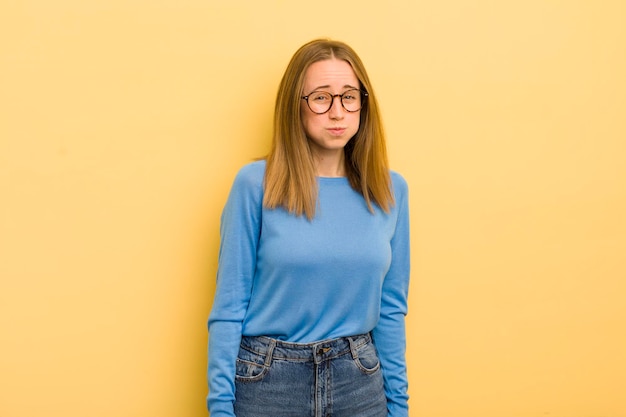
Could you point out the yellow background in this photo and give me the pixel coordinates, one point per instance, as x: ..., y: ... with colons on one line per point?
x: 123, y: 122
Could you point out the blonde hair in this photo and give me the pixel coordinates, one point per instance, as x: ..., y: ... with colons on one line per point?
x: 290, y: 177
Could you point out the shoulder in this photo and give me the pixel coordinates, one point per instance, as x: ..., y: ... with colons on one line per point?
x: 251, y: 175
x: 399, y: 184
x: 248, y: 183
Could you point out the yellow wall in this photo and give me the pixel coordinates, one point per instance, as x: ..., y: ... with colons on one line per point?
x: 123, y: 122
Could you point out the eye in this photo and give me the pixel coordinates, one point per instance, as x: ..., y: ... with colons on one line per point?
x: 319, y: 97
x: 351, y: 95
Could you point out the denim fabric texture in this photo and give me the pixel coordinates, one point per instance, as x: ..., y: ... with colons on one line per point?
x: 332, y: 378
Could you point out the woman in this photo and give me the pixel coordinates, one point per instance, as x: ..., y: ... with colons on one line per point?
x: 308, y: 316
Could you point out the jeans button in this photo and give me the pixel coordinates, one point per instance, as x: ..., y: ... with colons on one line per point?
x: 322, y: 350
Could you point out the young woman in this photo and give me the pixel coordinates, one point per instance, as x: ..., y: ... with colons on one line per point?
x: 313, y: 275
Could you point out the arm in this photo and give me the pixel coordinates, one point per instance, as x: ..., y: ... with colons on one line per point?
x: 389, y: 335
x: 239, y: 233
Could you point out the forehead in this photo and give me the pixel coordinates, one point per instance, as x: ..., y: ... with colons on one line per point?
x: 330, y: 73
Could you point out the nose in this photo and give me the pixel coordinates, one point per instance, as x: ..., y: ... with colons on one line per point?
x: 336, y: 109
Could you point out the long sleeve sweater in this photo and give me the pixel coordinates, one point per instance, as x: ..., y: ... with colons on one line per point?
x: 343, y: 273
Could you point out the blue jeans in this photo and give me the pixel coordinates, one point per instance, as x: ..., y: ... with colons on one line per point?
x: 331, y: 378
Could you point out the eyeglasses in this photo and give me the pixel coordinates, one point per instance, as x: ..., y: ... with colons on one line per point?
x: 321, y: 101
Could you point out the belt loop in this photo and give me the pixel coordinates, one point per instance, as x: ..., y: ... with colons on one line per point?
x: 270, y: 352
x: 353, y: 351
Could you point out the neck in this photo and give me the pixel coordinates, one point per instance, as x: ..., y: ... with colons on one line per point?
x: 330, y: 165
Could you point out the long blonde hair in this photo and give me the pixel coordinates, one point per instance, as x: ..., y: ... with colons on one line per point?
x: 290, y: 177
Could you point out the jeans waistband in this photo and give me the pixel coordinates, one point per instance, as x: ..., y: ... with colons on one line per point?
x: 303, y: 352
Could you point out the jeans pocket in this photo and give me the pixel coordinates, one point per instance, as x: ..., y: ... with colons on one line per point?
x: 250, y: 366
x: 366, y: 358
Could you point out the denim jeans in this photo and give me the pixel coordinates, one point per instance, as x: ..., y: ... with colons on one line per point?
x: 331, y: 378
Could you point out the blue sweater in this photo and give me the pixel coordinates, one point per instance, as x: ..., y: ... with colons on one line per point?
x: 344, y: 273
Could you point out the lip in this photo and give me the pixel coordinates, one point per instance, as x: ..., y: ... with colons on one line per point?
x: 337, y: 131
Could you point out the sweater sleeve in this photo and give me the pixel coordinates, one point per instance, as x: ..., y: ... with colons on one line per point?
x: 239, y: 233
x: 389, y: 334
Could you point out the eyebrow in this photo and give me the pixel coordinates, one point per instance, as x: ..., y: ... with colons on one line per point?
x: 347, y: 87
